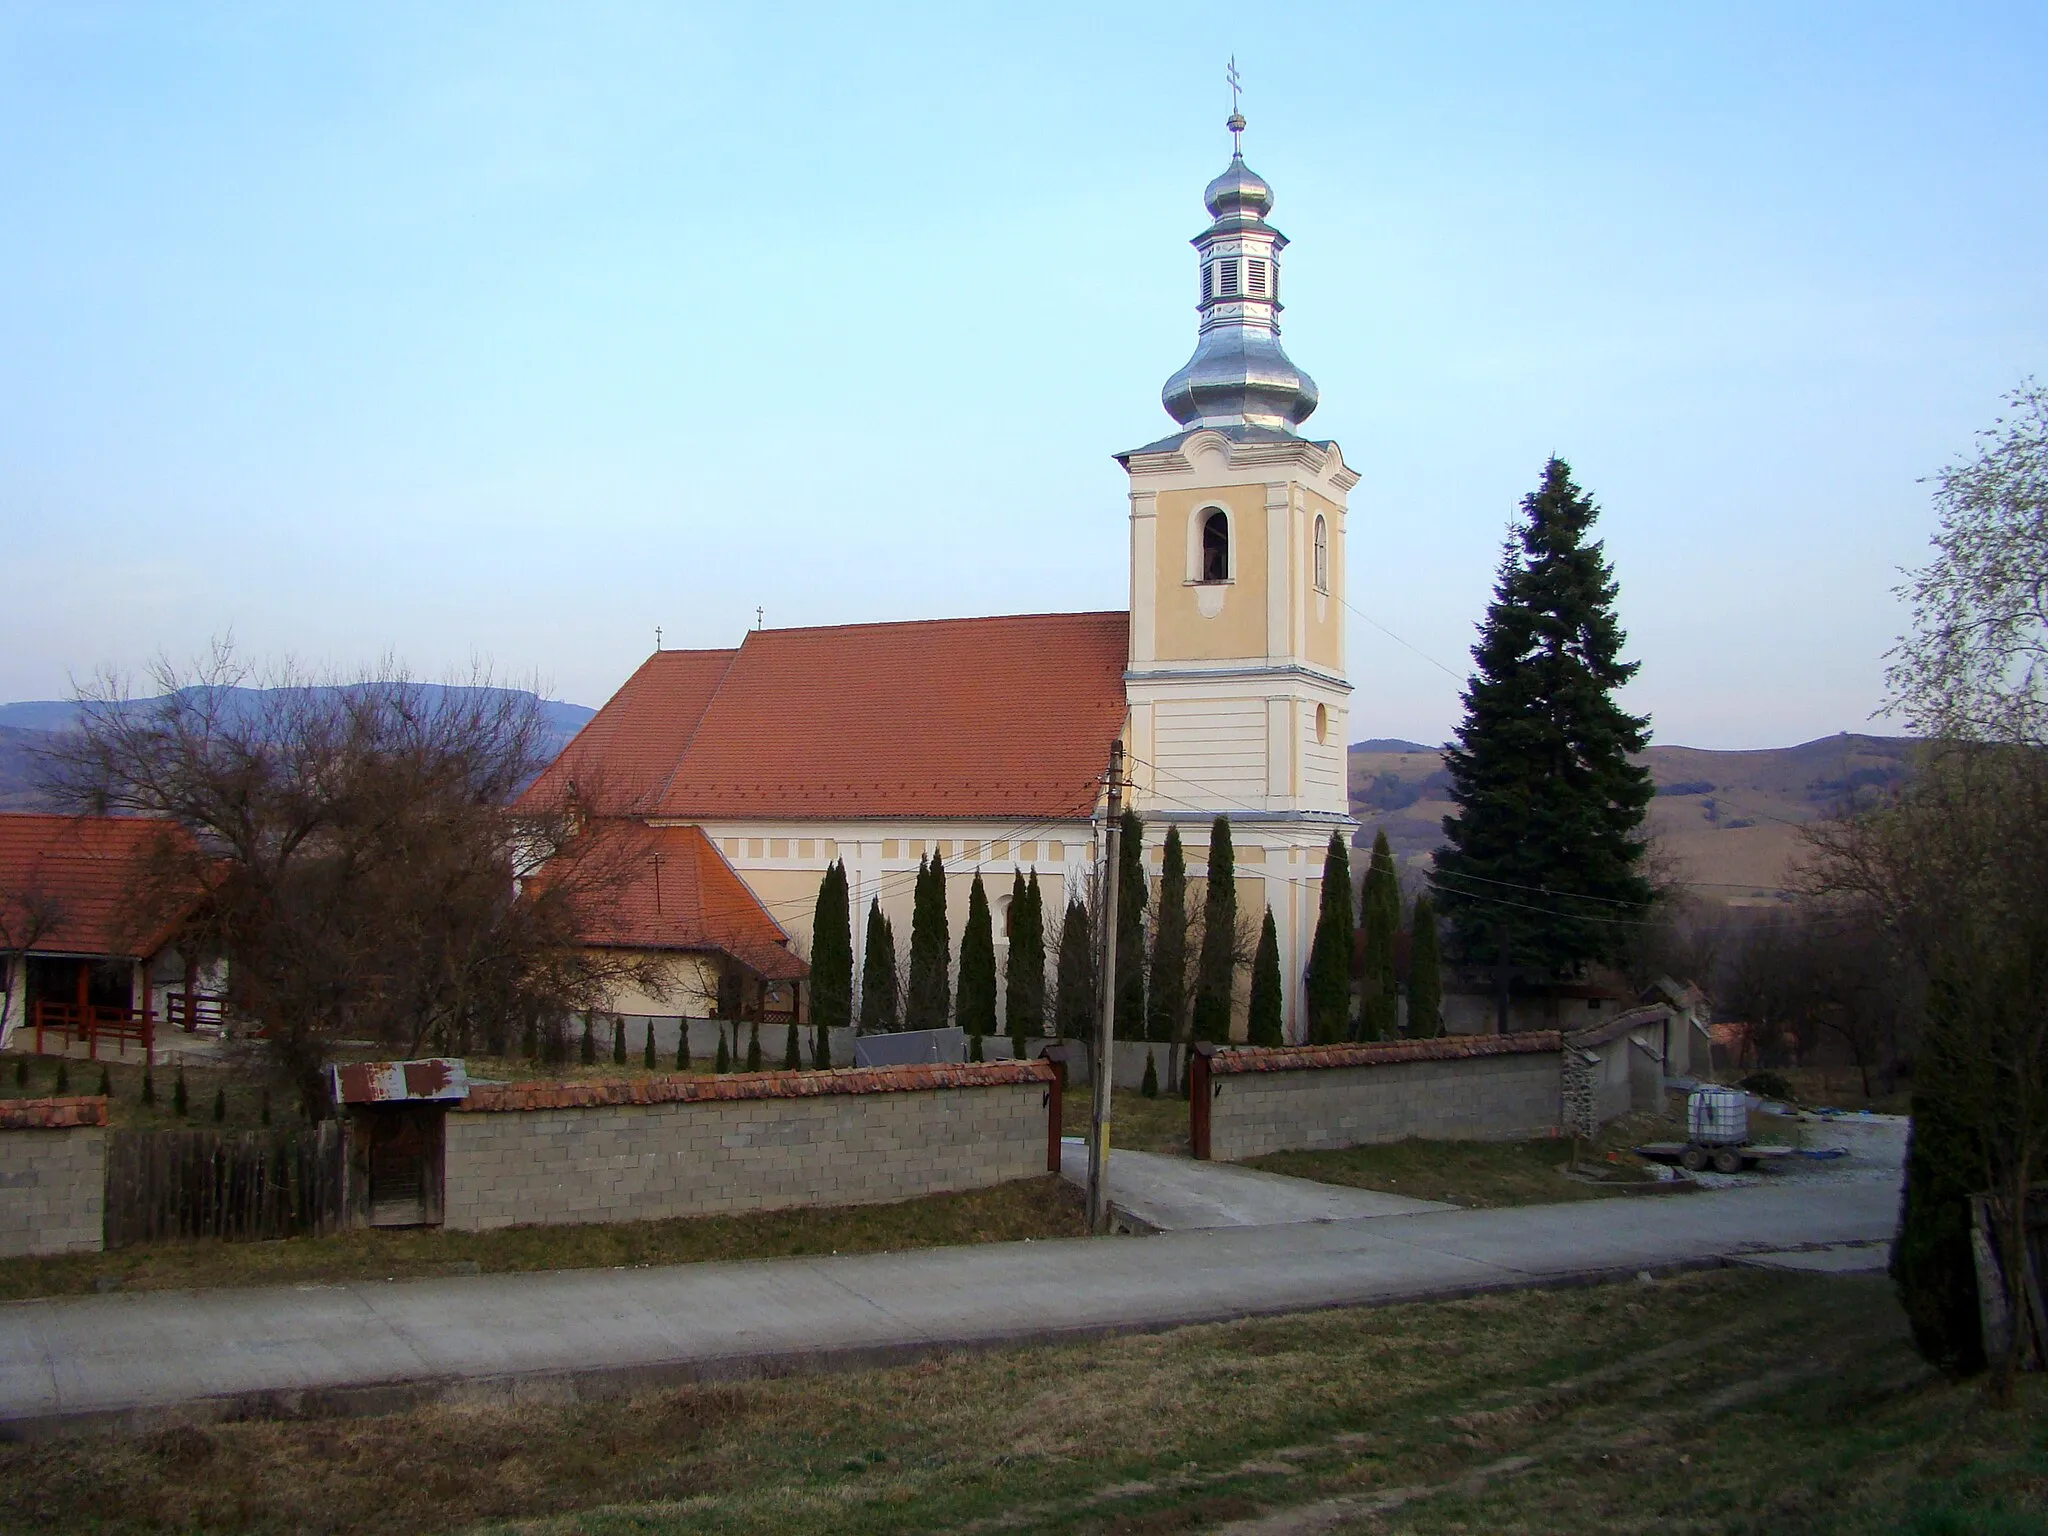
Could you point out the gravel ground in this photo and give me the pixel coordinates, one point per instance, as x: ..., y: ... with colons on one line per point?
x: 1876, y: 1145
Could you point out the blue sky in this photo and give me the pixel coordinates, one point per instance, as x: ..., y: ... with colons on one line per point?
x: 513, y: 331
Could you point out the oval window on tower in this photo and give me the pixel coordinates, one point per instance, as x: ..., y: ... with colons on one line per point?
x: 1322, y: 554
x: 1216, y: 547
x: 1322, y: 725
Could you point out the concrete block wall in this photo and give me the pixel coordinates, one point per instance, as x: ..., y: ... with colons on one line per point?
x: 53, y: 1176
x: 1306, y: 1098
x: 634, y: 1151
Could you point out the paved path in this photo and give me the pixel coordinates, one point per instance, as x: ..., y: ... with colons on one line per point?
x: 1178, y: 1194
x: 125, y: 1359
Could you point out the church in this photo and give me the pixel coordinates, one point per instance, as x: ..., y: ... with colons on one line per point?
x: 986, y: 741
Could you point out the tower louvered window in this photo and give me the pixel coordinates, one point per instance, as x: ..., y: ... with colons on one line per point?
x: 1255, y: 278
x: 1228, y: 273
x: 1208, y: 282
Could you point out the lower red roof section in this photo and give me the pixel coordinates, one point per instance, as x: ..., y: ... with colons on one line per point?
x: 1294, y: 1058
x: 64, y: 1114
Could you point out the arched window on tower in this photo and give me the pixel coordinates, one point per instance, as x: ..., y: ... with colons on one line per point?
x: 1322, y: 554
x: 1216, y: 547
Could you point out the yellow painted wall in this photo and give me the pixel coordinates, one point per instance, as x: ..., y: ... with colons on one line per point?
x: 692, y: 990
x: 1180, y: 630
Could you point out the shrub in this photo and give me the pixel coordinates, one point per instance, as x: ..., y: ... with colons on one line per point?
x: 148, y: 1087
x: 682, y: 1045
x: 587, y: 1054
x: 754, y: 1048
x: 1767, y: 1085
x: 793, y: 1050
x: 21, y: 1073
x: 220, y: 1105
x: 63, y: 1083
x: 647, y: 1057
x: 181, y: 1101
x: 723, y: 1063
x: 1150, y: 1087
x: 106, y: 1088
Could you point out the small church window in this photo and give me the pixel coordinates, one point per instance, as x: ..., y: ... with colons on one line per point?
x: 1216, y: 547
x: 1255, y: 277
x: 1322, y: 725
x: 1322, y: 555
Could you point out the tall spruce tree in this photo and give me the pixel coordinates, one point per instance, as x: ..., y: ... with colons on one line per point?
x: 1024, y: 971
x: 1263, y: 1022
x: 1166, y: 996
x: 1074, y: 1006
x: 1544, y: 850
x: 1379, y: 1001
x: 832, y: 951
x: 931, y: 950
x: 1425, y: 973
x: 1329, y: 956
x: 1216, y: 973
x: 974, y: 1004
x: 878, y: 973
x: 1131, y: 900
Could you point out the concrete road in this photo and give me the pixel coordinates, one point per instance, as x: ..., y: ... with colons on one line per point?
x: 1177, y: 1194
x: 132, y: 1359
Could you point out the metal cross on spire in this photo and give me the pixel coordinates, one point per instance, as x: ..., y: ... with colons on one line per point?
x: 1235, y: 122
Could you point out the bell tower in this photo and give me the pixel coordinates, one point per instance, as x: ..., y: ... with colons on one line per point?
x: 1238, y: 697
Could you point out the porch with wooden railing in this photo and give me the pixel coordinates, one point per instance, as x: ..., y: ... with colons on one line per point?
x: 94, y: 1023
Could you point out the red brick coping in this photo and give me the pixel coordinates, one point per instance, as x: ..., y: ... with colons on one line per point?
x: 689, y: 1088
x: 1294, y: 1058
x: 52, y: 1114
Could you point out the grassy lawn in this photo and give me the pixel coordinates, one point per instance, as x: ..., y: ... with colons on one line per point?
x: 1470, y: 1173
x: 243, y: 1099
x: 1136, y: 1123
x: 1721, y: 1402
x: 1036, y: 1208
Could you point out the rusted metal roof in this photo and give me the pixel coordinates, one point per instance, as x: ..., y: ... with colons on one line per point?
x: 436, y: 1079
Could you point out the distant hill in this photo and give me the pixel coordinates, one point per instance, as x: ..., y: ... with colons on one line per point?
x: 27, y: 725
x: 1728, y: 820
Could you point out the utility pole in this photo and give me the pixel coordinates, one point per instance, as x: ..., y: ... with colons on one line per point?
x: 1102, y: 1063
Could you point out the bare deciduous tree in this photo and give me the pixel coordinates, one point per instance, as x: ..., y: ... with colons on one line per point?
x: 367, y: 877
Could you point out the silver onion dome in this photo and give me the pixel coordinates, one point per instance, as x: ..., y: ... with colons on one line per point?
x: 1239, y: 376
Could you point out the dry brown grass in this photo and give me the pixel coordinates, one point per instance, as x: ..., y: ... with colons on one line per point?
x: 1722, y: 1402
x: 1137, y: 1124
x: 1043, y: 1207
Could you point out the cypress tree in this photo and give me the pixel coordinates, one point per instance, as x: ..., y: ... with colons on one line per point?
x: 149, y: 1087
x: 974, y: 1005
x: 1074, y: 996
x: 722, y: 1062
x: 754, y: 1046
x: 1166, y: 1002
x: 263, y: 1108
x: 1932, y: 1268
x: 1024, y: 970
x: 647, y: 1056
x: 1380, y: 1007
x: 1131, y: 900
x: 180, y: 1100
x: 821, y: 1050
x: 21, y: 1072
x: 1549, y: 806
x: 63, y: 1082
x: 682, y: 1045
x: 1263, y: 1023
x: 1425, y: 974
x: 220, y: 1105
x: 878, y: 974
x: 1329, y: 961
x: 529, y: 1043
x: 1149, y: 1088
x: 588, y: 1052
x: 1215, y: 972
x: 931, y: 950
x: 792, y: 1050
x: 106, y: 1088
x: 832, y: 951
x: 618, y: 1041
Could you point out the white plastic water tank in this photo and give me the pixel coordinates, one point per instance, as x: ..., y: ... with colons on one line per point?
x: 1717, y: 1117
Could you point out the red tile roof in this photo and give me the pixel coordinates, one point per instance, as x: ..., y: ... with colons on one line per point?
x: 674, y: 890
x: 82, y: 873
x: 1291, y: 1058
x: 686, y: 1088
x: 623, y: 756
x: 51, y: 1114
x: 997, y: 717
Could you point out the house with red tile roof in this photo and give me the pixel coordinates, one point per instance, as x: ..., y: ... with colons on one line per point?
x: 85, y: 956
x: 986, y: 741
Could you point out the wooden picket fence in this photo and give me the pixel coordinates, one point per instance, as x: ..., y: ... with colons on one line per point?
x: 241, y: 1186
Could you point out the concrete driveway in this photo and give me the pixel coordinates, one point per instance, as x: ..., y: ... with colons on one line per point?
x: 1177, y: 1194
x: 133, y: 1359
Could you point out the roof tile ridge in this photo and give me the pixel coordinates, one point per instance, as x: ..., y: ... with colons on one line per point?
x: 732, y: 658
